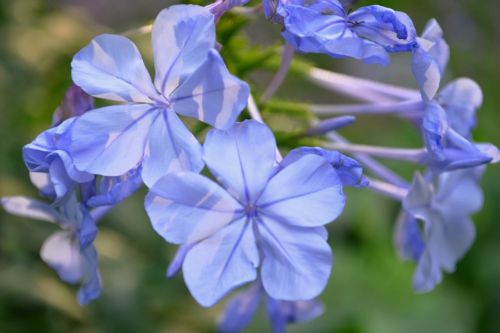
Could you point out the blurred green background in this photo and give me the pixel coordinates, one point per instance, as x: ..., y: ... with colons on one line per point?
x: 369, y: 290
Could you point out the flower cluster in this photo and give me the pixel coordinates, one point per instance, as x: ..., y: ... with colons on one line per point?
x: 260, y: 219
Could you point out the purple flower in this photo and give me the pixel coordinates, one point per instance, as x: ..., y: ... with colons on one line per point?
x: 191, y: 79
x: 75, y: 103
x: 260, y: 217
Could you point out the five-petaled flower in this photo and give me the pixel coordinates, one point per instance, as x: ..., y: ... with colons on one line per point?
x: 263, y: 216
x: 191, y: 79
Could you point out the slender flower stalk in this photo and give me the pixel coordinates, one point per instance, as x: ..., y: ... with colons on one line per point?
x: 398, y: 108
x: 389, y: 190
x: 360, y: 89
x: 253, y: 109
x: 329, y: 125
x: 286, y: 59
x: 411, y: 155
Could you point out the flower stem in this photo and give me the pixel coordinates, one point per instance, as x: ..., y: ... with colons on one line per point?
x: 389, y: 190
x: 361, y: 89
x: 411, y: 155
x: 277, y: 81
x: 377, y: 108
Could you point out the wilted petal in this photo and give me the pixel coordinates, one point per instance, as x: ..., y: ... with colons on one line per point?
x: 186, y: 207
x: 211, y: 94
x: 296, y: 261
x: 222, y: 262
x: 427, y: 73
x: 111, y: 67
x: 171, y: 148
x: 182, y: 36
x: 249, y: 152
x: 306, y: 193
x: 433, y: 42
x: 110, y: 141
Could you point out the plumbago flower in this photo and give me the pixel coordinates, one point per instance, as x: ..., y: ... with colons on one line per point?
x: 191, y: 80
x: 70, y: 251
x: 323, y: 26
x: 443, y: 204
x: 264, y: 216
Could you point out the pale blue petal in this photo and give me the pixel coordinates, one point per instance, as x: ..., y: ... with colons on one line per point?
x: 427, y: 73
x: 222, y: 262
x: 418, y: 201
x: 408, y: 238
x: 61, y: 251
x: 447, y: 241
x: 186, y: 207
x: 241, y: 158
x: 171, y: 148
x: 437, y: 48
x: 182, y: 36
x: 31, y: 208
x: 111, y: 141
x: 296, y: 261
x: 211, y: 94
x: 461, y: 99
x: 111, y: 67
x: 240, y: 310
x: 306, y: 193
x: 460, y: 192
x: 88, y: 229
x: 60, y: 180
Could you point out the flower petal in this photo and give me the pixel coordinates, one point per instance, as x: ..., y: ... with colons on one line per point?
x: 240, y: 310
x: 91, y: 282
x: 211, y: 94
x: 27, y: 207
x: 222, y: 262
x: 186, y: 207
x: 296, y: 262
x: 447, y: 241
x: 111, y: 67
x: 407, y: 237
x: 306, y: 193
x: 110, y: 141
x: 61, y: 251
x: 247, y: 162
x: 182, y: 36
x: 171, y: 148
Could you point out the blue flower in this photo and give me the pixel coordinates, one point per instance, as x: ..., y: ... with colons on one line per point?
x: 241, y: 308
x: 191, y: 79
x: 369, y: 33
x: 69, y: 252
x: 260, y: 217
x: 443, y: 204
